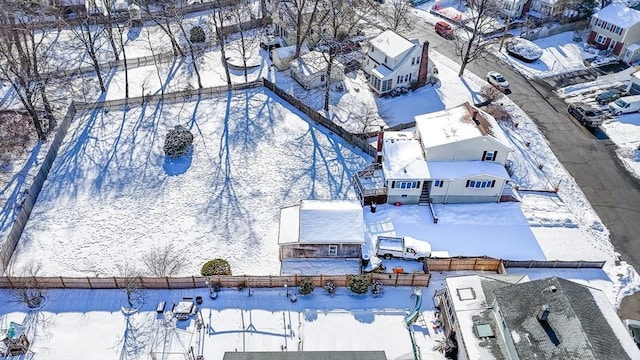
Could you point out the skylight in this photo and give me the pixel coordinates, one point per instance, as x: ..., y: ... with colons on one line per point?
x: 484, y: 330
x: 466, y: 294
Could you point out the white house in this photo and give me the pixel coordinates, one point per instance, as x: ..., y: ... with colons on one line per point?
x: 545, y: 9
x: 616, y: 27
x: 321, y: 230
x: 453, y: 156
x: 512, y: 8
x: 510, y: 317
x: 391, y: 61
x: 310, y: 70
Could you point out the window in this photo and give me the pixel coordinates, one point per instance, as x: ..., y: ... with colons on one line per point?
x: 399, y: 79
x: 413, y: 61
x: 489, y: 155
x: 417, y: 60
x: 406, y: 184
x: 406, y: 78
x: 608, y: 27
x: 600, y: 39
x: 480, y: 184
x: 333, y: 250
x: 438, y: 183
x: 618, y: 30
x: 386, y: 85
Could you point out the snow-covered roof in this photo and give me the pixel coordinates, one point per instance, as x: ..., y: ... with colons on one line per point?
x: 381, y: 71
x: 403, y: 157
x: 322, y: 221
x: 449, y: 170
x: 311, y: 63
x: 391, y: 43
x: 331, y: 221
x: 472, y: 303
x: 457, y: 124
x: 289, y: 51
x: 619, y: 15
x: 633, y: 47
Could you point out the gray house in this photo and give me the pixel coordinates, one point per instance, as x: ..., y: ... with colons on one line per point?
x: 510, y: 317
x: 322, y: 229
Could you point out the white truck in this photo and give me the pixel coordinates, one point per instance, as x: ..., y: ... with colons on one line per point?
x: 403, y: 247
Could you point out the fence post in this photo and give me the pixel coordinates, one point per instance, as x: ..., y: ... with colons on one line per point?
x: 396, y: 283
x: 168, y: 283
x: 89, y: 282
x: 449, y: 266
x: 62, y: 281
x: 115, y: 281
x: 579, y: 264
x: 193, y: 281
x: 413, y: 276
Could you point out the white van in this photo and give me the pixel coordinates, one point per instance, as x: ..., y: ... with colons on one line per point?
x: 625, y: 105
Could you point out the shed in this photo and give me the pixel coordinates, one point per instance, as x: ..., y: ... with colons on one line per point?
x: 321, y: 229
x: 283, y: 56
x: 310, y: 70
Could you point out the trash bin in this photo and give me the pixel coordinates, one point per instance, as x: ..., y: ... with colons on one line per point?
x: 373, y: 207
x: 365, y: 259
x: 199, y: 300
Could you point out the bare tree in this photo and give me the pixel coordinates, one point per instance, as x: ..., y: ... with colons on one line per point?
x: 108, y: 11
x: 90, y: 36
x: 219, y: 16
x: 299, y: 16
x: 248, y: 41
x: 120, y: 28
x: 24, y: 56
x: 164, y: 261
x: 338, y: 21
x: 395, y: 14
x: 366, y: 116
x: 25, y: 287
x: 131, y: 283
x: 193, y: 52
x: 469, y: 42
x: 170, y: 11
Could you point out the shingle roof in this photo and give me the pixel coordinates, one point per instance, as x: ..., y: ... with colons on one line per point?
x: 575, y: 318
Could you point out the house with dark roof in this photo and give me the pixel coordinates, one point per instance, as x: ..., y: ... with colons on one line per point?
x: 509, y: 317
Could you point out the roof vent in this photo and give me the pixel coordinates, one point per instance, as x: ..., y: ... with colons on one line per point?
x: 553, y: 288
x: 543, y: 313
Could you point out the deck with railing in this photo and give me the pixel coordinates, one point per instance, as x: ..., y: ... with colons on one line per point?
x: 370, y: 185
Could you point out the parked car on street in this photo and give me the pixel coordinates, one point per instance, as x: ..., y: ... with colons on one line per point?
x: 444, y: 29
x: 496, y: 79
x: 625, y: 105
x: 586, y: 115
x: 608, y: 96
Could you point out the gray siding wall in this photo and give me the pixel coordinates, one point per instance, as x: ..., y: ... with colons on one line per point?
x: 289, y: 251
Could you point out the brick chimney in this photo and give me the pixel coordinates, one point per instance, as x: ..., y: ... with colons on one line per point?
x: 379, y: 146
x: 424, y: 65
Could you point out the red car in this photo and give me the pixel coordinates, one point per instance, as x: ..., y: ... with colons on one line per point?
x: 444, y: 29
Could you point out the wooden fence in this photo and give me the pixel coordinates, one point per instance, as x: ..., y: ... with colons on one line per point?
x: 463, y: 263
x: 61, y: 282
x: 350, y: 138
x: 554, y: 264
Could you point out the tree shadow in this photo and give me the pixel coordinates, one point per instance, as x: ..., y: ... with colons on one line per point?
x: 178, y: 166
x: 15, y: 190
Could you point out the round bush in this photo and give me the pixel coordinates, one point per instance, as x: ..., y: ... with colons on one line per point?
x: 306, y: 286
x: 359, y: 284
x: 197, y: 35
x: 216, y: 267
x: 177, y: 142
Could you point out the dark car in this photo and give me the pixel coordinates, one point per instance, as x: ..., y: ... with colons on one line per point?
x: 444, y: 29
x: 608, y: 96
x: 586, y: 115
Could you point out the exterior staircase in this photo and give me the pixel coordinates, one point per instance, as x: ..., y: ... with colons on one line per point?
x: 424, y: 196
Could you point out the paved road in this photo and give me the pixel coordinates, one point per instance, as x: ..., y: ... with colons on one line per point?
x: 612, y: 191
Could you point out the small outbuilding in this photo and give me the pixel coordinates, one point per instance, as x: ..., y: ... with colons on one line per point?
x: 322, y: 229
x: 310, y: 70
x: 282, y: 56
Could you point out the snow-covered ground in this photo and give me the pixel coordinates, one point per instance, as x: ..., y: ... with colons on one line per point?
x: 111, y: 196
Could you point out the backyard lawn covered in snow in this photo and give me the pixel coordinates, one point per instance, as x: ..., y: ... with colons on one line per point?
x: 112, y: 194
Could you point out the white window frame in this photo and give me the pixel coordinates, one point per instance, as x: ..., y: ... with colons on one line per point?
x: 600, y: 39
x: 333, y: 250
